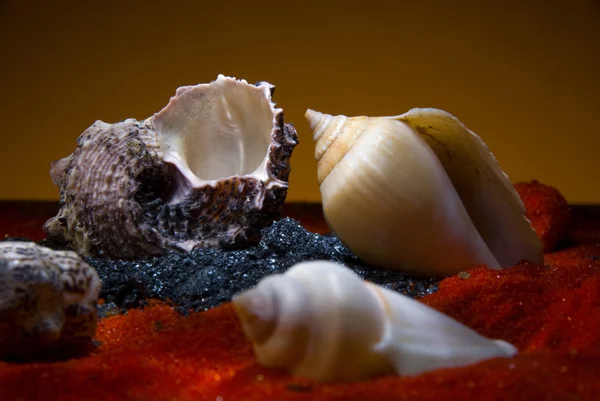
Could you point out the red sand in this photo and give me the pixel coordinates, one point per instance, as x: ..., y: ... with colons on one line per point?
x: 551, y: 313
x: 547, y: 210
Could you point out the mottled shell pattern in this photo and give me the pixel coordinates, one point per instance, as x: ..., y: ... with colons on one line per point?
x: 209, y: 170
x: 419, y: 192
x: 321, y: 321
x: 47, y: 299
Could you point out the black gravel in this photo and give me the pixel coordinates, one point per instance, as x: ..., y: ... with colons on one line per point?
x: 205, y: 278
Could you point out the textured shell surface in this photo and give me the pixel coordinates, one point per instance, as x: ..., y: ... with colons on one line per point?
x: 208, y: 170
x: 419, y: 192
x: 320, y: 320
x: 47, y: 299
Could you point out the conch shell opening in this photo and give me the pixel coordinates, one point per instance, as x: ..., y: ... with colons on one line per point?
x: 419, y: 192
x: 217, y: 130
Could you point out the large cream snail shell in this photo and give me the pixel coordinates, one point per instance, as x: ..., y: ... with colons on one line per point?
x: 419, y: 192
x: 322, y: 321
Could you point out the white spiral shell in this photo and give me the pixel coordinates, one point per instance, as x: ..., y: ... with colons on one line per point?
x: 322, y: 321
x: 420, y: 193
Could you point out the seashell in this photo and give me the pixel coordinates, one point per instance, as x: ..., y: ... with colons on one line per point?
x: 419, y: 192
x: 321, y: 321
x: 209, y: 170
x: 47, y: 299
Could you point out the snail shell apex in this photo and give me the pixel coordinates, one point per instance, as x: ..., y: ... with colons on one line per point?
x: 419, y: 192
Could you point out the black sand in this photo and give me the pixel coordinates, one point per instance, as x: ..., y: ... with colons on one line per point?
x: 205, y: 278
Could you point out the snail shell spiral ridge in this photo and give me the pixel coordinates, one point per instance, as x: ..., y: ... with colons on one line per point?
x: 322, y: 321
x: 419, y: 192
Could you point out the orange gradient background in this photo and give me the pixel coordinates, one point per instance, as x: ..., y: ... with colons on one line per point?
x: 524, y: 75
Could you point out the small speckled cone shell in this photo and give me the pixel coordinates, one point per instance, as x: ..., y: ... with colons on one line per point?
x: 419, y: 193
x: 129, y: 191
x: 47, y: 299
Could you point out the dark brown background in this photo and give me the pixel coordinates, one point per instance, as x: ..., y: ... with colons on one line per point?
x: 521, y: 73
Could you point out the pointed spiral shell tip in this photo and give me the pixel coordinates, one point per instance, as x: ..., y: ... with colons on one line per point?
x: 314, y: 118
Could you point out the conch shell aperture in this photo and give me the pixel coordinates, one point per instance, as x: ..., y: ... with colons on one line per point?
x: 209, y: 170
x: 321, y: 321
x: 419, y: 192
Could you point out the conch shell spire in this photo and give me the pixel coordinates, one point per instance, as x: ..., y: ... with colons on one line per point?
x: 314, y: 118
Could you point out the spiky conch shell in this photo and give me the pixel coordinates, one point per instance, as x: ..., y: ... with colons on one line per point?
x: 130, y: 189
x: 321, y: 321
x: 420, y: 193
x: 47, y: 300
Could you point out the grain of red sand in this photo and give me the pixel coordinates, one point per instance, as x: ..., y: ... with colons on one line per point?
x: 551, y: 313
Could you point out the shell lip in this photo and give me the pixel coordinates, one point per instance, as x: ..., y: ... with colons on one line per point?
x: 268, y: 90
x: 496, y: 174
